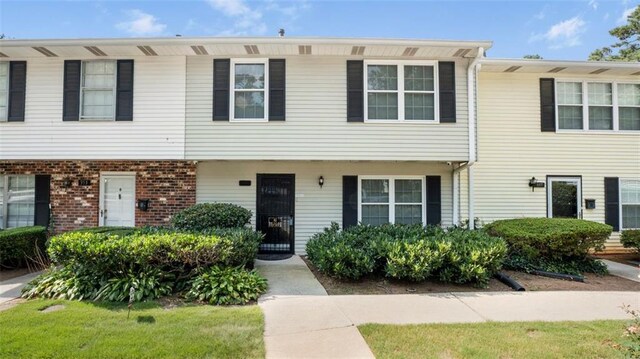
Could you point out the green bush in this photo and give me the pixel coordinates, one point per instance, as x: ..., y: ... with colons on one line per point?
x: 120, y: 231
x: 206, y: 216
x: 148, y: 284
x: 226, y: 286
x: 63, y: 283
x: 631, y: 239
x: 19, y: 246
x: 417, y: 260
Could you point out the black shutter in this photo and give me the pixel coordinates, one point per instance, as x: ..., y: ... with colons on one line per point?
x: 547, y: 105
x: 17, y: 87
x: 124, y: 91
x: 277, y: 83
x: 612, y: 202
x: 42, y: 199
x: 221, y: 74
x: 71, y: 97
x: 349, y: 201
x: 434, y: 201
x: 355, y: 91
x: 447, y: 91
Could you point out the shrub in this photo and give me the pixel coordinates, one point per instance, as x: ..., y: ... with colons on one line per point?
x: 148, y: 284
x: 226, y: 286
x: 206, y: 216
x: 119, y: 231
x: 19, y: 246
x: 552, y: 238
x: 631, y: 239
x: 63, y: 283
x: 417, y: 260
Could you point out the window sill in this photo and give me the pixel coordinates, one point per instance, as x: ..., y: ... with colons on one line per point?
x: 248, y: 120
x: 599, y: 132
x: 411, y: 122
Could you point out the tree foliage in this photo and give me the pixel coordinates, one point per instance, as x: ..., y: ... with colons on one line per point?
x: 628, y: 46
x: 532, y: 57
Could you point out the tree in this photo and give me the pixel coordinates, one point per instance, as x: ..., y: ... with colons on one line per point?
x: 532, y: 57
x: 628, y: 46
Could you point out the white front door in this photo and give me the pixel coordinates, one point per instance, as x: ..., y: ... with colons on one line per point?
x: 117, y: 200
x: 564, y: 197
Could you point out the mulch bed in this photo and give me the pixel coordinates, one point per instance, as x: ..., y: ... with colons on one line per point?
x: 382, y: 285
x: 628, y: 258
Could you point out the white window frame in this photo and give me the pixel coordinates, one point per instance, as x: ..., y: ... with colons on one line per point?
x: 392, y: 195
x: 620, y: 180
x: 401, y: 91
x: 6, y: 89
x: 113, y: 89
x: 550, y: 181
x: 4, y: 189
x: 232, y: 89
x: 585, y: 106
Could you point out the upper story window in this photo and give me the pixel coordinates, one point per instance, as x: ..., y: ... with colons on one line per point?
x: 601, y: 106
x: 248, y: 88
x: 401, y: 91
x: 4, y: 90
x: 98, y: 89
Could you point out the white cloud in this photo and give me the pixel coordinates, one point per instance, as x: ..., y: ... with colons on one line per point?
x: 625, y: 14
x: 141, y: 24
x: 593, y: 4
x: 246, y: 19
x: 563, y: 34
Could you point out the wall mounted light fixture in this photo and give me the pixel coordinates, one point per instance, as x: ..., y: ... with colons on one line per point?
x: 66, y: 183
x: 321, y: 181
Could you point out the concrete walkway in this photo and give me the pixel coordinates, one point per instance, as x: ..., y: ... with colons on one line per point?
x: 301, y: 321
x: 10, y: 289
x: 623, y: 270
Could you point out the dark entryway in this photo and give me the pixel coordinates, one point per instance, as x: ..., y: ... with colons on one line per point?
x: 275, y: 212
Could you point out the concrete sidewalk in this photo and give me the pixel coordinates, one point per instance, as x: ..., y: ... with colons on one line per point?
x: 10, y: 289
x: 623, y: 270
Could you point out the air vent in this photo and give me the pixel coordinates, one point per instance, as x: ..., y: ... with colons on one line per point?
x: 3, y: 54
x: 304, y: 49
x: 199, y: 50
x: 461, y: 52
x: 555, y: 70
x: 95, y: 50
x: 252, y: 49
x: 357, y: 50
x: 147, y: 50
x: 44, y: 51
x: 513, y: 69
x: 598, y: 71
x: 410, y: 51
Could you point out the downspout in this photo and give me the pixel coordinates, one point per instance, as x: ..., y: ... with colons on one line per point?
x: 471, y: 102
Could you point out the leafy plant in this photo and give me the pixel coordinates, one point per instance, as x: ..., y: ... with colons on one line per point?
x: 630, y: 238
x: 226, y: 286
x: 630, y: 345
x: 207, y: 216
x: 417, y: 260
x: 63, y: 283
x: 19, y: 245
x: 148, y: 284
x: 568, y: 265
x: 120, y: 231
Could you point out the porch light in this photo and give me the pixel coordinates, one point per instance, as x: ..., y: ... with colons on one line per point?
x: 66, y: 183
x: 321, y: 181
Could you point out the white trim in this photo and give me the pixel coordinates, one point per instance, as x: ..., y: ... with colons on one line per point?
x: 103, y: 176
x: 6, y: 104
x: 620, y: 204
x: 400, y: 91
x: 392, y: 200
x: 577, y: 180
x: 232, y: 89
x: 113, y: 89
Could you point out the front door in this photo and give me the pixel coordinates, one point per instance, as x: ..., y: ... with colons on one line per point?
x: 117, y: 200
x: 275, y: 212
x: 564, y: 196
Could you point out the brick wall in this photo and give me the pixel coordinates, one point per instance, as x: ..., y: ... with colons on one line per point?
x: 169, y: 185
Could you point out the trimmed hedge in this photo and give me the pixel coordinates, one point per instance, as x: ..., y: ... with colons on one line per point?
x: 630, y: 238
x: 120, y: 231
x: 407, y: 252
x: 207, y: 216
x: 18, y: 246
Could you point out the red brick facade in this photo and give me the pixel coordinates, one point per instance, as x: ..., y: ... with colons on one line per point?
x: 169, y: 185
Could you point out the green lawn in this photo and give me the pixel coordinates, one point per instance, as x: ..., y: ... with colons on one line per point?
x: 101, y: 330
x: 496, y: 340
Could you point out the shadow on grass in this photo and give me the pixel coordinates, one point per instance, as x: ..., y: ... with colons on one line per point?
x: 146, y: 319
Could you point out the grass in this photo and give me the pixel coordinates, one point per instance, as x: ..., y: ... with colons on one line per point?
x: 595, y: 339
x: 102, y: 330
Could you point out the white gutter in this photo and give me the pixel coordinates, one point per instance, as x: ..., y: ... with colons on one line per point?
x: 471, y: 102
x: 566, y: 63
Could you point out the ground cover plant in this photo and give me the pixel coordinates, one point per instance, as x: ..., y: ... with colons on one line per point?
x: 409, y: 252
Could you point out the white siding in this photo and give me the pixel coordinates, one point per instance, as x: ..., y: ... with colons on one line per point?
x: 156, y: 132
x: 315, y: 207
x: 316, y: 127
x: 512, y: 149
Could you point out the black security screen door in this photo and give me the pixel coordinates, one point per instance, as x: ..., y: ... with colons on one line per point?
x: 275, y: 212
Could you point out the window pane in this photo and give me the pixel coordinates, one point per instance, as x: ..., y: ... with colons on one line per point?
x: 97, y: 103
x: 564, y: 199
x: 382, y: 106
x: 249, y: 76
x: 382, y: 77
x: 569, y: 93
x: 418, y: 78
x: 249, y: 104
x: 4, y: 86
x: 631, y: 217
x: 630, y: 191
x: 408, y: 214
x: 376, y: 214
x: 375, y: 191
x: 600, y: 94
x: 20, y: 201
x: 99, y: 74
x: 408, y: 191
x: 629, y: 118
x: 570, y: 117
x: 419, y: 106
x: 600, y: 118
x: 629, y: 94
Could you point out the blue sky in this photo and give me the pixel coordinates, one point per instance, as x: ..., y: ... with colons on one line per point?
x: 553, y: 29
